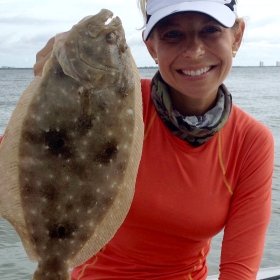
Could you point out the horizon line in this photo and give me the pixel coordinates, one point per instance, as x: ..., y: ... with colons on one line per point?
x: 140, y: 67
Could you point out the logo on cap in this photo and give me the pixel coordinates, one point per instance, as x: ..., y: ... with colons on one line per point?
x: 232, y: 4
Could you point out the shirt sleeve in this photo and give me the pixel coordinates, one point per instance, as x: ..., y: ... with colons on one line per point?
x: 249, y: 215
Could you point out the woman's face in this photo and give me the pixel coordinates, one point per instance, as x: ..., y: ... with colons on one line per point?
x: 194, y: 55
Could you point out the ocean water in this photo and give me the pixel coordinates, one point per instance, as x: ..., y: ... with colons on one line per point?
x: 255, y: 89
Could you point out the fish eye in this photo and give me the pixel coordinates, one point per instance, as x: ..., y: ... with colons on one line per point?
x: 111, y: 37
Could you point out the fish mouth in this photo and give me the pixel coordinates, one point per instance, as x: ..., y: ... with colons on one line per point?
x: 104, y: 23
x: 115, y: 21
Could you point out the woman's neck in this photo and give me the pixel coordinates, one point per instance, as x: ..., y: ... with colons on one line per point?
x: 187, y: 106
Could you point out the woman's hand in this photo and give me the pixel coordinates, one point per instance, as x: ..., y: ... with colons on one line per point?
x: 2, y: 137
x: 42, y: 56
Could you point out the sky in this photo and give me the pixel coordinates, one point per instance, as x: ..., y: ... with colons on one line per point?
x: 26, y: 26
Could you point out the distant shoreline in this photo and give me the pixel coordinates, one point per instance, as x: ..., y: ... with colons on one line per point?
x: 16, y: 68
x: 145, y: 67
x: 152, y: 67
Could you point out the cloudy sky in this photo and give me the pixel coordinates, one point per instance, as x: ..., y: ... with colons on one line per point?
x: 26, y: 25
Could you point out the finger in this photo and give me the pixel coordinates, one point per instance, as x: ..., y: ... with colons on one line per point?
x: 42, y: 56
x: 46, y: 50
x: 39, y: 65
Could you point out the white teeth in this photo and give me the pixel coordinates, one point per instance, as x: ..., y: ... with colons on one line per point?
x: 197, y: 72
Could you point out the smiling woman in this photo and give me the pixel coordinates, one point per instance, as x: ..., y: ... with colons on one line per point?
x: 192, y: 43
x: 206, y: 165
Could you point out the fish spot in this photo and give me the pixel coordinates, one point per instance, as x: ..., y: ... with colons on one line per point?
x: 69, y: 207
x: 102, y: 105
x: 37, y: 238
x: 121, y: 167
x: 62, y: 231
x: 123, y: 91
x: 107, y: 152
x: 59, y: 73
x: 88, y: 50
x: 83, y: 238
x: 56, y: 141
x: 84, y: 122
x: 28, y: 190
x: 50, y: 193
x: 29, y: 135
x: 86, y: 116
x: 106, y: 201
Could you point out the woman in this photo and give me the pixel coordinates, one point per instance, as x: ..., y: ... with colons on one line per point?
x: 206, y: 164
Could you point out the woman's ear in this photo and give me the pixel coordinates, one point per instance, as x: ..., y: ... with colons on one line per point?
x: 238, y: 35
x: 150, y: 44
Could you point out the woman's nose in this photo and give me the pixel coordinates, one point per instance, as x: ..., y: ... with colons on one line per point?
x: 193, y: 48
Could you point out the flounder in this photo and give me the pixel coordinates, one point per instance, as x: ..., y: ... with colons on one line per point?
x: 71, y: 151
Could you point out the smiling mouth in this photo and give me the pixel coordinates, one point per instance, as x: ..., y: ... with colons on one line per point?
x: 196, y: 72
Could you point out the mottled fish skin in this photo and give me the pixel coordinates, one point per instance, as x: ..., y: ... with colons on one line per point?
x: 76, y: 142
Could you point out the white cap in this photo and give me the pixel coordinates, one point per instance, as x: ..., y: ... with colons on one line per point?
x: 224, y: 11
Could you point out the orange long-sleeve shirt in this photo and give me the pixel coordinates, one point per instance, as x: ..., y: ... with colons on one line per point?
x: 186, y: 195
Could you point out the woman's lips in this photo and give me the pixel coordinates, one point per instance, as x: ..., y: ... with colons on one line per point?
x: 196, y: 72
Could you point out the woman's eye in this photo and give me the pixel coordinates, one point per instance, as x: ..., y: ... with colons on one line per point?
x: 173, y: 34
x: 210, y: 30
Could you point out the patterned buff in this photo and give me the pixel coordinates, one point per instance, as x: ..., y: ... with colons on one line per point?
x: 196, y: 130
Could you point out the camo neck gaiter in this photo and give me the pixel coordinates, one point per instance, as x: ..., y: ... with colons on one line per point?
x: 196, y: 130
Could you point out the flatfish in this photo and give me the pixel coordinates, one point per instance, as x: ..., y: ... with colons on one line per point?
x: 71, y: 151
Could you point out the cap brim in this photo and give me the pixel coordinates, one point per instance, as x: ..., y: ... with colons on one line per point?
x: 219, y: 12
